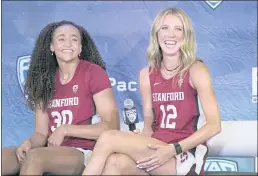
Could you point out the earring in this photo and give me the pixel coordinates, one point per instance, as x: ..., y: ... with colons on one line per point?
x: 52, y: 54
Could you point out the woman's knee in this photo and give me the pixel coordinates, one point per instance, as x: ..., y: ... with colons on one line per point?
x: 112, y: 161
x: 33, y: 157
x: 120, y: 164
x: 118, y: 161
x: 108, y: 136
x: 114, y: 165
x: 10, y: 163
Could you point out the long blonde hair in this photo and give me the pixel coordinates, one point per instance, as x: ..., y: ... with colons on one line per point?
x: 187, y: 49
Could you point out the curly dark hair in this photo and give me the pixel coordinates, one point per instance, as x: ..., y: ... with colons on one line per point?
x: 39, y: 84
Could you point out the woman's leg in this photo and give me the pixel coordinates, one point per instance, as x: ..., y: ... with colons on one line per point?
x: 10, y: 163
x: 54, y: 160
x: 120, y: 164
x: 132, y: 145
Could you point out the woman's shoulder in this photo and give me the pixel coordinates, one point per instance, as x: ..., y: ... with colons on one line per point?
x: 199, y: 74
x: 145, y: 71
x: 198, y: 67
x: 90, y: 66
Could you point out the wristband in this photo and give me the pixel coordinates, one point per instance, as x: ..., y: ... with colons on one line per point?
x: 178, y: 148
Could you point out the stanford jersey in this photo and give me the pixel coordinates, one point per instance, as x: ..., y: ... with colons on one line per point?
x: 72, y: 103
x: 176, y: 107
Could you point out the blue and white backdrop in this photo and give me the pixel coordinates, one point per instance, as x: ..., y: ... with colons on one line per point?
x: 226, y: 34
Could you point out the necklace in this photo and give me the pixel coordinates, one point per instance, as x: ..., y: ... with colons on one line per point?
x: 172, y: 69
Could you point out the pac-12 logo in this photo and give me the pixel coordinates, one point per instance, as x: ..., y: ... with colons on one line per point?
x: 131, y: 115
x: 213, y: 4
x: 220, y: 165
x: 23, y: 64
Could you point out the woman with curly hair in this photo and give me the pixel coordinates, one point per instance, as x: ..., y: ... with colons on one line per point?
x: 170, y: 143
x: 66, y: 82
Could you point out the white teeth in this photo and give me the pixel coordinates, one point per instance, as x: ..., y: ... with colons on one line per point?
x: 67, y: 51
x: 170, y: 42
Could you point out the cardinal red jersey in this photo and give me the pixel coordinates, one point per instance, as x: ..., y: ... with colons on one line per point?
x: 72, y: 103
x: 175, y: 106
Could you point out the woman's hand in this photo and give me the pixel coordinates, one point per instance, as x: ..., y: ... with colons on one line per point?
x: 163, y: 154
x: 57, y: 137
x: 22, y: 150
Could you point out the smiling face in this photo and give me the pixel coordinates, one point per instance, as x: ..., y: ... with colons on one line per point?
x: 170, y: 34
x: 66, y: 43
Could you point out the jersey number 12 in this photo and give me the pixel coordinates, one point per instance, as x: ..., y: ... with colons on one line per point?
x: 172, y: 114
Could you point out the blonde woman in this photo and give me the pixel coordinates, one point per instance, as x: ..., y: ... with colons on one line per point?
x: 170, y: 142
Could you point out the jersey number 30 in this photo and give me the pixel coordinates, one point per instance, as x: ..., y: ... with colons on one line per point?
x: 171, y: 114
x: 65, y: 117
